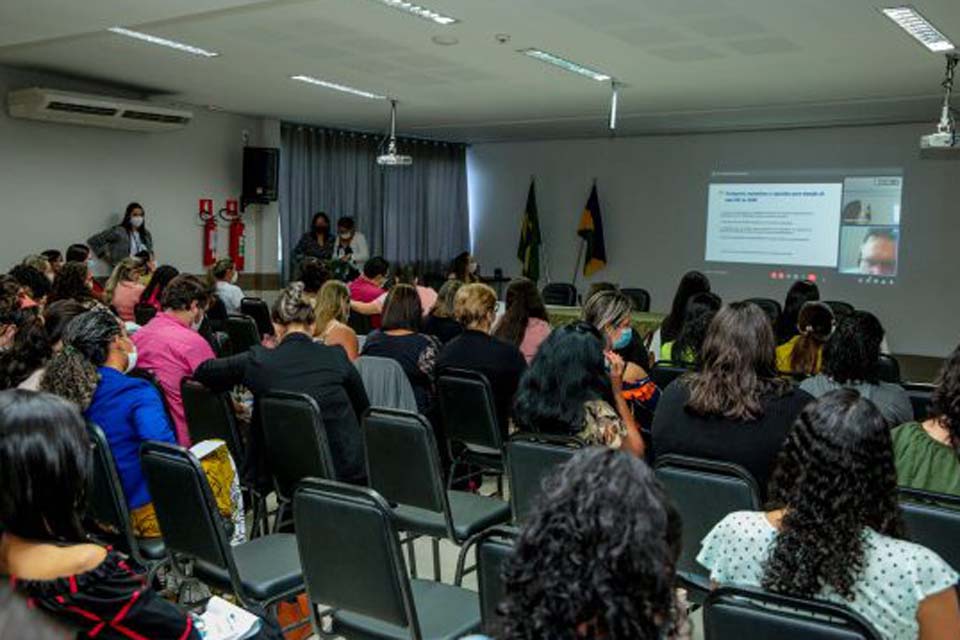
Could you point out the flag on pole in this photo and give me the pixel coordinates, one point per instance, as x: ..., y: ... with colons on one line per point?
x: 591, y: 230
x: 528, y: 251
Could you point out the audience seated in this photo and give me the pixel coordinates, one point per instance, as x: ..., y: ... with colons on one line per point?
x: 850, y: 358
x: 124, y: 288
x: 55, y: 258
x: 596, y: 559
x: 835, y: 531
x: 82, y: 253
x: 149, y: 260
x: 153, y: 293
x: 802, y: 354
x: 170, y: 347
x: 399, y: 339
x: 34, y: 286
x: 368, y: 286
x: 56, y: 318
x: 28, y: 352
x: 223, y: 281
x: 41, y: 264
x: 464, y: 268
x: 333, y: 309
x: 802, y: 292
x: 91, y: 371
x: 928, y: 453
x: 475, y: 308
x: 75, y: 282
x: 692, y: 283
x: 525, y: 323
x: 736, y: 409
x: 701, y: 308
x: 300, y: 365
x: 611, y: 313
x: 313, y: 274
x: 408, y: 275
x: 45, y: 466
x: 573, y: 388
x: 440, y: 322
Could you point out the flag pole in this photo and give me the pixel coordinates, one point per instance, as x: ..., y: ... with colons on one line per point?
x: 576, y: 266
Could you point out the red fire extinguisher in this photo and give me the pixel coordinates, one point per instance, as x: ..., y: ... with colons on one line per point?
x: 238, y: 242
x: 209, y: 222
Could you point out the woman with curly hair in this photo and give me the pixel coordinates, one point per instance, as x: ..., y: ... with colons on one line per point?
x: 928, y: 452
x: 74, y: 283
x: 835, y: 531
x: 597, y: 557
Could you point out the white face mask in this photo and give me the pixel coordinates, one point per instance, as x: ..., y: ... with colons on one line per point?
x: 131, y: 359
x: 136, y: 221
x: 90, y: 263
x: 346, y: 235
x: 195, y: 325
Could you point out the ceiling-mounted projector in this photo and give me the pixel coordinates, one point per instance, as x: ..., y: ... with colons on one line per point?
x: 946, y: 137
x: 391, y: 158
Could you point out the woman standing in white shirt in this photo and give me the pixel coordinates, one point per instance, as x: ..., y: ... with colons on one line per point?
x: 223, y: 273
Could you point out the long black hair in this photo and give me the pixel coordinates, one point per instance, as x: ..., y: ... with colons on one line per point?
x: 692, y: 283
x: 598, y: 553
x: 523, y: 302
x: 835, y: 477
x: 701, y: 308
x: 159, y: 281
x: 125, y: 223
x: 945, y: 404
x: 802, y: 292
x: 852, y: 352
x: 72, y: 283
x: 30, y: 350
x: 45, y: 467
x: 568, y: 370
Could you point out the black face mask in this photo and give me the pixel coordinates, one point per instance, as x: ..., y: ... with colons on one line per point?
x: 322, y: 231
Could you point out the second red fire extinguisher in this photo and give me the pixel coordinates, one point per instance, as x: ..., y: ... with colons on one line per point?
x: 237, y: 244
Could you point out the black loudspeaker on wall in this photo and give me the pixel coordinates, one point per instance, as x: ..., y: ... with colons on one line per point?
x: 260, y: 169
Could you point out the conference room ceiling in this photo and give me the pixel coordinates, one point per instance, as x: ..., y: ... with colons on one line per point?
x: 686, y: 65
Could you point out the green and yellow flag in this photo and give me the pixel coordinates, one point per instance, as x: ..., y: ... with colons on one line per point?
x: 591, y: 230
x: 528, y: 251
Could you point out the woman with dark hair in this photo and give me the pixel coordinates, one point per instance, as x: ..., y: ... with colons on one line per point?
x: 569, y: 390
x: 928, y: 452
x: 399, y: 339
x: 801, y: 355
x: 597, y: 558
x: 125, y: 240
x: 313, y: 274
x: 802, y: 292
x: 525, y: 323
x: 701, y: 308
x: 45, y: 470
x: 692, y: 283
x: 464, y: 268
x: 850, y: 358
x: 440, y: 322
x: 153, y: 293
x: 55, y: 258
x: 30, y: 351
x: 835, y: 531
x: 736, y: 408
x: 34, y: 286
x: 315, y: 243
x: 74, y: 283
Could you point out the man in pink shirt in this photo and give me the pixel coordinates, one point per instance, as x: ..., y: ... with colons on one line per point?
x: 403, y: 275
x: 169, y: 346
x: 369, y: 285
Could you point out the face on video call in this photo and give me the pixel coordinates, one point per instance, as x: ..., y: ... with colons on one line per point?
x: 878, y: 255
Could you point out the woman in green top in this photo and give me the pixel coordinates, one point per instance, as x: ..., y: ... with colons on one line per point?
x: 696, y: 318
x: 928, y: 452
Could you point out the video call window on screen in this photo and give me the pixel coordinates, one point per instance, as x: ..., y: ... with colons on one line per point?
x: 870, y: 225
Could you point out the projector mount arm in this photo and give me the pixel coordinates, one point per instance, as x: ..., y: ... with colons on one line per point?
x: 947, y: 122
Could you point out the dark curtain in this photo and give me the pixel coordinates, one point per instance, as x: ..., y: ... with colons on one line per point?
x: 408, y: 214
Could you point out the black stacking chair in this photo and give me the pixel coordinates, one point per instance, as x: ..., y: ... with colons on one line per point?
x: 704, y: 492
x: 403, y: 465
x: 353, y: 563
x: 663, y: 372
x: 920, y: 396
x: 260, y: 312
x: 839, y: 307
x: 107, y: 509
x: 494, y: 547
x: 295, y: 443
x: 734, y: 613
x: 770, y: 307
x: 561, y: 294
x: 143, y: 313
x: 474, y: 435
x: 531, y: 457
x: 220, y: 343
x: 261, y: 573
x: 639, y: 297
x: 243, y: 333
x: 360, y: 323
x: 933, y: 520
x: 888, y: 369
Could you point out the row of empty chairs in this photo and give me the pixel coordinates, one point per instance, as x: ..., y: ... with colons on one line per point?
x: 564, y: 294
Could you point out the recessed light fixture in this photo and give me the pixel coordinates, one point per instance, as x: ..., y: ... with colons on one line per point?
x: 420, y: 11
x: 163, y: 42
x: 445, y: 40
x: 338, y: 87
x: 566, y: 65
x: 910, y: 20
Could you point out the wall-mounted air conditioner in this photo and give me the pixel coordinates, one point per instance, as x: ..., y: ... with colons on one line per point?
x: 94, y: 111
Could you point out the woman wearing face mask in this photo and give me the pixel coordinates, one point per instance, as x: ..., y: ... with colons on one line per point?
x: 351, y: 245
x: 315, y: 243
x: 125, y: 240
x: 223, y: 279
x: 91, y: 371
x: 464, y: 268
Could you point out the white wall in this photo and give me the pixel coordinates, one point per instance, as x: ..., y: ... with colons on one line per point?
x: 59, y: 184
x: 653, y: 197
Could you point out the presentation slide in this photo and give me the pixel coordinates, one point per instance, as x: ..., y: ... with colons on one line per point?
x: 844, y: 222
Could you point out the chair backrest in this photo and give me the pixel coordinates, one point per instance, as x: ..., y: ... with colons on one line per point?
x: 920, y: 396
x: 216, y: 316
x: 769, y: 306
x: 243, y: 333
x: 704, y: 492
x: 260, y: 312
x: 733, y: 613
x: 933, y: 520
x: 888, y: 369
x: 467, y: 408
x: 220, y: 343
x: 560, y: 293
x: 494, y: 547
x: 295, y: 440
x: 664, y: 372
x: 350, y: 552
x: 403, y: 463
x: 143, y: 313
x: 639, y: 297
x: 839, y: 307
x: 361, y: 324
x: 530, y: 459
x: 186, y: 510
x: 386, y: 383
x: 106, y: 504
x: 210, y: 416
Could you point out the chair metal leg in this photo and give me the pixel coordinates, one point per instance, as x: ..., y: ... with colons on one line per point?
x: 436, y: 559
x: 412, y: 555
x: 462, y: 559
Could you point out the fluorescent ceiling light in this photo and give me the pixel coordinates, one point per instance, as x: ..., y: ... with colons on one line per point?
x: 420, y: 11
x: 338, y: 87
x: 565, y: 64
x: 910, y: 20
x: 163, y: 42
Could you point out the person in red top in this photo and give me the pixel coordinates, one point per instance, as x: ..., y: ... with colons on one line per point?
x: 369, y: 285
